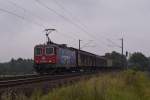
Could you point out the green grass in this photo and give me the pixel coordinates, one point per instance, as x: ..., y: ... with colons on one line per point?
x: 128, y: 85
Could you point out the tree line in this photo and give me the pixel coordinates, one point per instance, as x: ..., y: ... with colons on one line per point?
x: 17, y: 67
x: 136, y: 61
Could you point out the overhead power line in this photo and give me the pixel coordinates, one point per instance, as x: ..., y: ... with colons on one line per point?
x: 25, y: 10
x: 66, y: 11
x: 41, y: 19
x: 65, y: 35
x: 14, y: 14
x: 113, y: 43
x: 13, y: 3
x: 21, y: 17
x: 87, y: 44
x: 72, y: 17
x: 64, y: 17
x: 75, y: 18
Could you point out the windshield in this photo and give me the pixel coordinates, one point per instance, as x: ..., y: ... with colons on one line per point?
x: 49, y: 50
x: 38, y: 51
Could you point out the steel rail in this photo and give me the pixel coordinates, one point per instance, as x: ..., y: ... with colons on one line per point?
x: 30, y: 80
x: 13, y: 77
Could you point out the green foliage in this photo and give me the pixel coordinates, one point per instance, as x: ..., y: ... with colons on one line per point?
x: 139, y: 61
x: 16, y: 67
x: 118, y: 59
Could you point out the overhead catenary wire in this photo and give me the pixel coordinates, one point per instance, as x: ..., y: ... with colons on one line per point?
x: 69, y: 13
x: 64, y: 17
x: 58, y: 14
x: 29, y: 12
x: 20, y: 17
x: 26, y: 11
x: 113, y: 43
x: 65, y: 35
x: 13, y: 3
x: 11, y: 13
x: 73, y: 17
x: 85, y: 45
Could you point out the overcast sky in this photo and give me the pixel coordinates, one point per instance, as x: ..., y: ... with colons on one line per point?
x: 97, y: 22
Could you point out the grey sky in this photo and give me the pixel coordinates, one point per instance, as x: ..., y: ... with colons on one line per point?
x: 102, y: 19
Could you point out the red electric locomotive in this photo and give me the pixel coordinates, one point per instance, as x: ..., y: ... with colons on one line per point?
x: 45, y: 55
x: 52, y: 57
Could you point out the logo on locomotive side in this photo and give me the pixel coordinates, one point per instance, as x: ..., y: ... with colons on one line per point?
x: 43, y: 58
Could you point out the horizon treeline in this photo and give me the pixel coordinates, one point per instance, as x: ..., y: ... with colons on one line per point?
x: 17, y: 67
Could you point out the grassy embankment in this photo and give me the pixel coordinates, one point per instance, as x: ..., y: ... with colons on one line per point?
x: 127, y: 85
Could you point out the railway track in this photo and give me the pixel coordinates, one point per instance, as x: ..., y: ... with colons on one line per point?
x: 13, y: 77
x: 5, y: 83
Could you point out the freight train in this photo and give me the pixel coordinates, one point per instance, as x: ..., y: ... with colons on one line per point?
x: 52, y: 57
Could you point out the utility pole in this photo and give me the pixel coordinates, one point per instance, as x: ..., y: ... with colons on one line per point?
x: 79, y: 51
x: 122, y: 48
x: 79, y: 44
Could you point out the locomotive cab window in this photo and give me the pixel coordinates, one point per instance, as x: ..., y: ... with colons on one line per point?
x: 38, y: 51
x: 49, y: 50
